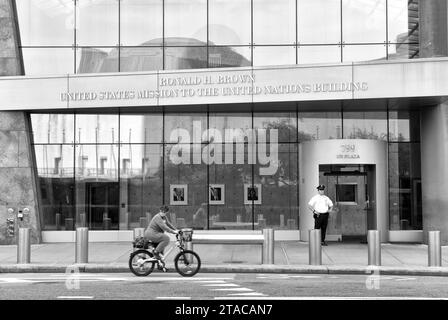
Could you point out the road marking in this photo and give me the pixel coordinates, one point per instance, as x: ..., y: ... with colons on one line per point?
x: 15, y: 280
x: 247, y: 294
x: 174, y: 298
x: 405, y: 279
x: 232, y: 289
x: 75, y: 297
x: 212, y: 281
x: 221, y: 285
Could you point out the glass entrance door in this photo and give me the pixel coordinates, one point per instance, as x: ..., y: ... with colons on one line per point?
x: 102, y: 204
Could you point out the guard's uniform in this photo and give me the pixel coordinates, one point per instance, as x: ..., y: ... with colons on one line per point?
x: 321, y: 204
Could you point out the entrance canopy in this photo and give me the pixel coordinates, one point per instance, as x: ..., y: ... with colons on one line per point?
x: 400, y: 82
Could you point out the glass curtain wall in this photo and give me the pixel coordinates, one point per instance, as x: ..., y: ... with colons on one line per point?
x: 142, y: 35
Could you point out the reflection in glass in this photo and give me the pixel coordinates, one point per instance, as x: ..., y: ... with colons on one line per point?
x: 97, y: 23
x: 319, y: 125
x: 365, y: 125
x: 363, y: 53
x: 186, y: 19
x: 96, y: 128
x: 319, y: 21
x: 285, y: 123
x: 185, y: 58
x: 141, y: 59
x: 141, y: 21
x: 405, y: 202
x: 403, y: 51
x: 403, y: 21
x: 318, y: 54
x: 404, y: 126
x: 184, y: 125
x: 46, y: 23
x: 56, y: 185
x: 48, y: 61
x: 241, y: 122
x: 52, y: 128
x: 274, y: 22
x: 141, y: 128
x: 96, y: 60
x: 364, y: 21
x: 275, y: 55
x: 229, y: 57
x: 230, y: 21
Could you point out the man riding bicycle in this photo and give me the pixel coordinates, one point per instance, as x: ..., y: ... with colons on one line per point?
x: 156, y: 231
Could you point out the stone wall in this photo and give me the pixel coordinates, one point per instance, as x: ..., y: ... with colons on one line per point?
x: 17, y: 179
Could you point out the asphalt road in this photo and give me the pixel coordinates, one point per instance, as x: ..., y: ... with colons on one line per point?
x: 170, y: 286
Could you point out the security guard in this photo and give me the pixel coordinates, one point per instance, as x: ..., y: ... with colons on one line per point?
x: 320, y: 205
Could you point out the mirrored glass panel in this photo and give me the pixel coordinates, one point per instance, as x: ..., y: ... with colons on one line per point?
x: 141, y: 22
x: 274, y: 55
x: 141, y: 59
x: 52, y: 128
x: 141, y: 128
x: 230, y: 22
x: 318, y: 54
x: 365, y: 125
x: 239, y: 123
x: 364, y: 21
x: 222, y: 57
x: 96, y: 60
x: 185, y: 127
x: 185, y: 58
x: 96, y: 128
x: 319, y: 21
x: 319, y: 125
x: 97, y: 23
x: 403, y: 21
x: 403, y: 51
x: 274, y: 22
x: 284, y: 123
x: 48, y: 61
x: 363, y: 53
x: 186, y: 19
x: 46, y: 23
x: 404, y: 126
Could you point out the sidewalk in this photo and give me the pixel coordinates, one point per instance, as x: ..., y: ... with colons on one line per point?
x: 289, y: 257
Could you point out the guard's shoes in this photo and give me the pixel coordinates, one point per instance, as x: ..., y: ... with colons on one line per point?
x: 324, y: 243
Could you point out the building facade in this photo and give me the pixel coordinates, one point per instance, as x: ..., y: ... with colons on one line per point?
x: 231, y: 112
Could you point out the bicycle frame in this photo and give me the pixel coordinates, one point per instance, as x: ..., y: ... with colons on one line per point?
x: 178, y: 243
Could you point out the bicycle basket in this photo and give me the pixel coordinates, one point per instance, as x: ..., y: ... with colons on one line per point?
x: 187, y: 234
x: 140, y: 242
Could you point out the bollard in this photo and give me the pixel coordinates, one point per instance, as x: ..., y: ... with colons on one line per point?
x: 434, y: 249
x: 268, y: 247
x: 238, y: 218
x: 82, y: 245
x: 282, y: 221
x: 82, y: 218
x: 69, y: 224
x: 24, y: 246
x: 143, y: 222
x: 315, y: 249
x: 107, y: 223
x: 187, y: 235
x: 374, y: 247
x: 58, y: 221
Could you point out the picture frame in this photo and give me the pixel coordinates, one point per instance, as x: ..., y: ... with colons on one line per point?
x: 178, y: 194
x: 216, y: 194
x: 252, y: 193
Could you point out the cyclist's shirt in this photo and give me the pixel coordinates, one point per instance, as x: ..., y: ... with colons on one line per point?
x: 160, y: 224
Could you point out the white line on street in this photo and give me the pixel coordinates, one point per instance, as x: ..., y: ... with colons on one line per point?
x: 233, y: 289
x: 247, y: 294
x: 212, y: 281
x: 221, y: 285
x: 15, y: 280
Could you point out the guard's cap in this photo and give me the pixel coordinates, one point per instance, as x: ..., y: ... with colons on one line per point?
x: 321, y: 187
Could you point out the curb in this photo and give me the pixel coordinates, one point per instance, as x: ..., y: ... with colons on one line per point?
x: 229, y: 268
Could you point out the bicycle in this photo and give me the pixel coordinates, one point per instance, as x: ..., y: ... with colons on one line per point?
x: 142, y: 261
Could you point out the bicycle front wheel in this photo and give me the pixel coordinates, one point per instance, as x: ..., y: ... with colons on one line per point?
x: 187, y: 263
x: 136, y: 264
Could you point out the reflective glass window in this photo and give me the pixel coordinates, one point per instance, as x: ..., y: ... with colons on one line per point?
x: 240, y: 123
x: 185, y: 58
x: 46, y: 23
x: 318, y: 54
x: 284, y: 123
x: 365, y: 125
x: 186, y: 19
x: 179, y: 128
x: 274, y: 55
x: 403, y: 51
x: 319, y: 21
x: 141, y: 22
x: 404, y: 126
x: 364, y: 21
x: 96, y: 60
x: 52, y: 128
x: 319, y: 125
x: 141, y: 59
x: 141, y: 128
x: 230, y: 21
x: 363, y: 53
x: 97, y: 23
x: 403, y: 21
x: 96, y: 128
x: 48, y: 61
x: 229, y: 57
x: 274, y: 22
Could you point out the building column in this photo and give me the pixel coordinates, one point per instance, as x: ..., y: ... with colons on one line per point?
x: 434, y: 162
x: 433, y: 28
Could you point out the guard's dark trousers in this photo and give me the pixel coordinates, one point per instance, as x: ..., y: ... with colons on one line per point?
x: 321, y: 223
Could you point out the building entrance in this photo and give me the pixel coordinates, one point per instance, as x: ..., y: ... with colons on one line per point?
x: 102, y: 205
x: 352, y: 190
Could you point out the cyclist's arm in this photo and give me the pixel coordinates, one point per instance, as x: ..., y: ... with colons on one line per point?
x: 170, y: 225
x: 163, y: 224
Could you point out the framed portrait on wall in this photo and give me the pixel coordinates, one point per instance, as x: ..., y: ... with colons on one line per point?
x: 216, y: 194
x: 252, y: 193
x: 178, y: 194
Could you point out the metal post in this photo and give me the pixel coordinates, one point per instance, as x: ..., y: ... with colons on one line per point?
x: 315, y: 249
x: 374, y: 247
x: 82, y: 245
x: 58, y: 221
x: 434, y: 249
x: 268, y: 246
x: 139, y: 232
x: 83, y: 222
x: 24, y: 246
x: 282, y: 221
x: 107, y: 223
x: 238, y: 218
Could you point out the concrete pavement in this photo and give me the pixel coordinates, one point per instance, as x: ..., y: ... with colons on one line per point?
x: 289, y: 257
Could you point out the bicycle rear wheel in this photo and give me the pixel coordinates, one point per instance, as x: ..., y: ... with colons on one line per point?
x: 136, y: 264
x: 187, y: 263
